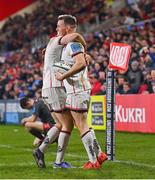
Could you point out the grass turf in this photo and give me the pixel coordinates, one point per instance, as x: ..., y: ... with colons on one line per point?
x: 134, y: 154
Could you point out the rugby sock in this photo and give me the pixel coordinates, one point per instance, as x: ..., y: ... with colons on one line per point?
x: 51, y: 136
x: 36, y: 133
x: 62, y: 145
x: 87, y: 140
x: 55, y: 141
x: 96, y: 145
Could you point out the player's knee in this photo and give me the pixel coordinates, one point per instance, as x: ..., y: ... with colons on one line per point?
x: 81, y: 125
x: 28, y: 125
x: 58, y: 125
x: 67, y: 127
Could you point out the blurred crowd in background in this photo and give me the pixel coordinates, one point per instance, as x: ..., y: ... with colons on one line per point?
x: 21, y: 64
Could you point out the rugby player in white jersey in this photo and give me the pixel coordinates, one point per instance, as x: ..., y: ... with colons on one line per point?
x: 78, y: 92
x: 54, y: 95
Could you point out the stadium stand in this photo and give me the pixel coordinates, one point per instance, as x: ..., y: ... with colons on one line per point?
x: 22, y: 39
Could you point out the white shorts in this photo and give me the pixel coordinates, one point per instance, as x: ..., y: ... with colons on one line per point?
x: 55, y: 98
x: 78, y: 101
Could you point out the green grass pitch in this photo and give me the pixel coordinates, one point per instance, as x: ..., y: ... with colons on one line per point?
x: 134, y: 157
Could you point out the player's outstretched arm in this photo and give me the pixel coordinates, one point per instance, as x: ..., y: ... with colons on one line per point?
x: 73, y: 37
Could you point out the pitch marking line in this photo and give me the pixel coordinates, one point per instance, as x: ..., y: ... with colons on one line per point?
x: 50, y: 163
x: 134, y: 163
x: 75, y: 156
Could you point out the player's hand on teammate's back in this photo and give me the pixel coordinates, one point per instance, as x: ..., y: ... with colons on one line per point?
x: 43, y: 52
x: 88, y: 58
x: 59, y: 76
x: 81, y: 40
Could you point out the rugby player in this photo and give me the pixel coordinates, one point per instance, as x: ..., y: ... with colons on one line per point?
x: 78, y: 91
x: 40, y: 121
x: 53, y: 93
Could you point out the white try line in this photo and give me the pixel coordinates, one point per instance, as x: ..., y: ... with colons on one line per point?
x: 8, y: 146
x: 134, y: 163
x: 81, y: 158
x: 74, y: 162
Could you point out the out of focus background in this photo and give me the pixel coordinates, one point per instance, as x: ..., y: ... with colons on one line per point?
x: 25, y: 28
x: 23, y: 35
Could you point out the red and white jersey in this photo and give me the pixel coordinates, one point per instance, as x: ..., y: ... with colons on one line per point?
x: 78, y: 82
x: 52, y: 55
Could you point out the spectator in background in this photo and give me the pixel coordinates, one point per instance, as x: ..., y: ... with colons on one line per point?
x: 152, y: 82
x: 143, y: 89
x: 135, y: 76
x: 95, y: 84
x: 151, y: 53
x: 120, y: 80
x: 147, y: 81
x: 24, y: 63
x: 98, y: 84
x: 102, y: 77
x: 127, y: 89
x: 97, y: 69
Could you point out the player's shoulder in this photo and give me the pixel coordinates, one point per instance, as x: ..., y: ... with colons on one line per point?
x: 39, y: 103
x: 75, y: 46
x: 56, y: 39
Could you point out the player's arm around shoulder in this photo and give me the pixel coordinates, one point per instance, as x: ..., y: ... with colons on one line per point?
x: 73, y: 37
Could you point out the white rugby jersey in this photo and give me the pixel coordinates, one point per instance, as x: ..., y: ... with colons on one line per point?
x: 52, y: 55
x: 78, y: 82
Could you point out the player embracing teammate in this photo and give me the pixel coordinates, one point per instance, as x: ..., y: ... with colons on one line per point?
x: 78, y: 89
x: 75, y: 100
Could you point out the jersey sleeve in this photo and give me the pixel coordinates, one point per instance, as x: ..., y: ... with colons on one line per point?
x: 75, y: 48
x: 59, y: 40
x: 37, y: 108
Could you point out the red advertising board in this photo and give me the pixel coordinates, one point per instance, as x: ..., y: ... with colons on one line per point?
x: 119, y: 56
x: 135, y: 113
x: 9, y: 7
